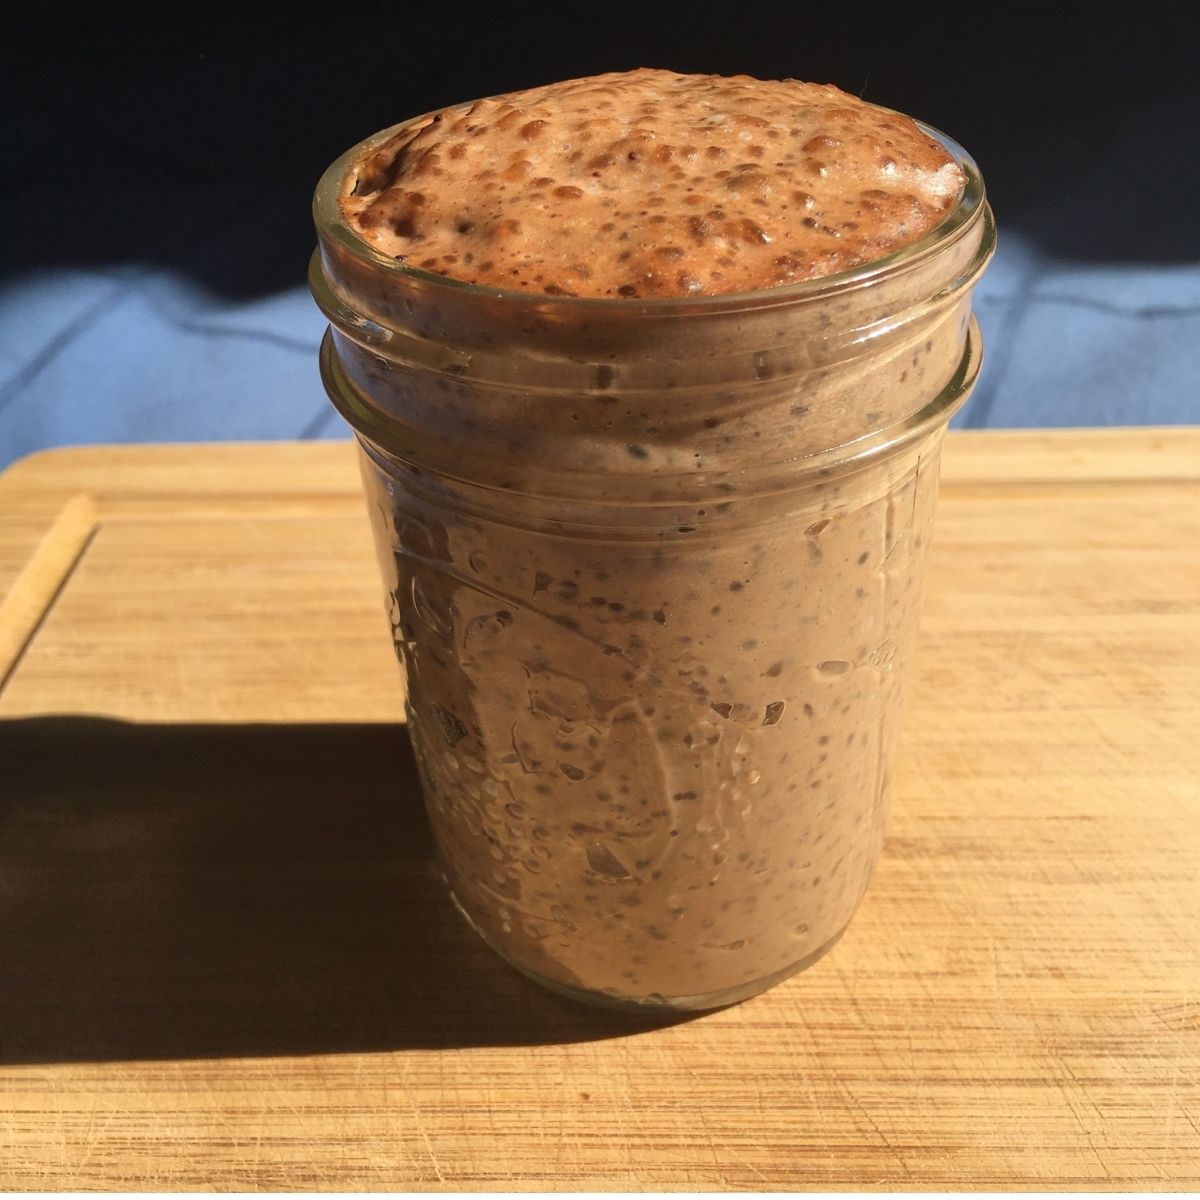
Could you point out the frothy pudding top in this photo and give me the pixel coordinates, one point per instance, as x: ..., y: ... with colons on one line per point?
x: 652, y: 184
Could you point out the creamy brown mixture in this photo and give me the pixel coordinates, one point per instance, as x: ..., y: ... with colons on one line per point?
x: 658, y: 769
x: 651, y: 183
x: 655, y: 718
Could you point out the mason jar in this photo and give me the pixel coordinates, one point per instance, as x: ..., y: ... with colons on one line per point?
x: 653, y: 569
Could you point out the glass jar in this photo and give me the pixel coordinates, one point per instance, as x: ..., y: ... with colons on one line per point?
x: 653, y: 569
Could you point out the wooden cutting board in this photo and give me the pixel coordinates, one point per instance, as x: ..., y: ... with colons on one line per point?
x: 226, y: 960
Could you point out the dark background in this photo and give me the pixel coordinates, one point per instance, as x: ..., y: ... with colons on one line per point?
x: 240, y: 103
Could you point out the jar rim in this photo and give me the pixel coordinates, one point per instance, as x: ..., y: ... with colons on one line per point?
x: 332, y: 225
x: 771, y: 477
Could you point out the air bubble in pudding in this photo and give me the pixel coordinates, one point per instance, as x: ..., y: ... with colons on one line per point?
x: 604, y: 862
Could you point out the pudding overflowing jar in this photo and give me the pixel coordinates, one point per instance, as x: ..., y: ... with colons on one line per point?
x: 653, y: 568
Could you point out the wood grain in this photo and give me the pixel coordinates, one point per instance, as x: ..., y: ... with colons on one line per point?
x: 226, y: 960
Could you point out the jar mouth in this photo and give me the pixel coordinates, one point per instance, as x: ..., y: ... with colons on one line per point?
x: 333, y: 227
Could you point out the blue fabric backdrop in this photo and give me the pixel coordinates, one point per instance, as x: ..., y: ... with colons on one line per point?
x: 130, y: 354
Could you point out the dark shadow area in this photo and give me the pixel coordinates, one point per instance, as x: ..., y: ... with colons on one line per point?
x: 213, y: 891
x: 191, y: 136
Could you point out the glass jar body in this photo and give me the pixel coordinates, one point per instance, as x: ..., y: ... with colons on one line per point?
x: 654, y: 573
x: 657, y: 767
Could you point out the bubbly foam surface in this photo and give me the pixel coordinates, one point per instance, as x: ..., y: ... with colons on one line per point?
x: 651, y: 184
